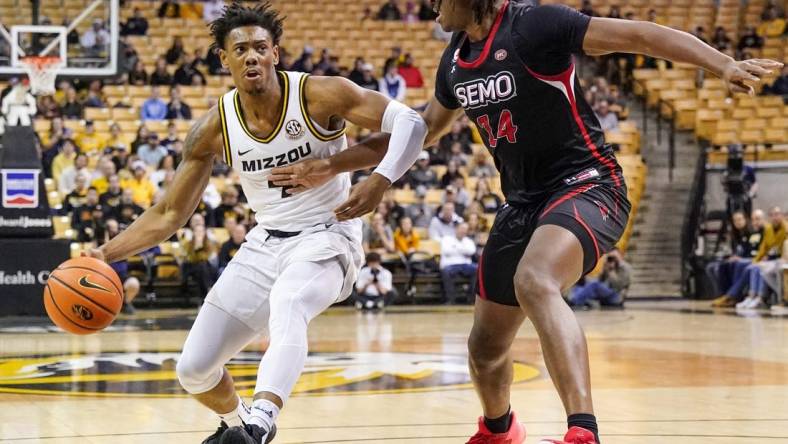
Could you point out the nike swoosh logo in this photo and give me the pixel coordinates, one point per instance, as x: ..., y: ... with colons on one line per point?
x: 267, y: 412
x: 83, y: 281
x: 242, y: 153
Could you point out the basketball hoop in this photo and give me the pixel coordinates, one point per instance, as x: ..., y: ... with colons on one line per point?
x: 42, y: 71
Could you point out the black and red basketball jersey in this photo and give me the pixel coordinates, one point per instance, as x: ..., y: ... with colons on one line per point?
x: 520, y: 88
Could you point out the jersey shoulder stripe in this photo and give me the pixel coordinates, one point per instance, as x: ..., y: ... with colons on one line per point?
x: 285, y: 102
x: 324, y: 137
x: 228, y: 158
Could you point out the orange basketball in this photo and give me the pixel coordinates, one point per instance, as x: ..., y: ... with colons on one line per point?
x: 83, y: 295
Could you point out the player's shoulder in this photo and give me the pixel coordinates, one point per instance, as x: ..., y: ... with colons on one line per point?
x: 527, y: 12
x: 323, y: 87
x: 205, y: 135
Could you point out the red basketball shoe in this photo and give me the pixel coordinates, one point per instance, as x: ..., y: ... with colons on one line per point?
x: 575, y: 435
x: 515, y: 435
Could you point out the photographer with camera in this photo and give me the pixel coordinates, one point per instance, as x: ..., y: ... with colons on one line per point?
x: 374, y: 286
x: 611, y: 287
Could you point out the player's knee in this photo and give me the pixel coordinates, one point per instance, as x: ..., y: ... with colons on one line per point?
x: 197, y: 375
x: 532, y: 285
x: 484, y: 352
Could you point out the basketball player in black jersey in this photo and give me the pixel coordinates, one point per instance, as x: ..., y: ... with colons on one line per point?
x: 509, y: 67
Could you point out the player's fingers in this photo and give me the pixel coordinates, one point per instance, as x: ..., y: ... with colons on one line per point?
x: 754, y: 68
x: 283, y: 170
x: 277, y: 177
x: 743, y: 74
x: 344, y: 206
x: 296, y: 190
x: 739, y: 87
x: 766, y: 63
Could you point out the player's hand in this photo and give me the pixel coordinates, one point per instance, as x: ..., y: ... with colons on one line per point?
x: 94, y: 252
x: 303, y: 175
x: 364, y: 197
x: 737, y: 73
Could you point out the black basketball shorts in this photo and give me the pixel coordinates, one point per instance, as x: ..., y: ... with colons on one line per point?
x: 596, y: 214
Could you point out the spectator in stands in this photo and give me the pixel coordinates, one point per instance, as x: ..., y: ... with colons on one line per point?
x: 587, y: 9
x: 444, y: 223
x: 410, y: 15
x: 374, y: 286
x: 154, y: 108
x: 410, y: 73
x: 138, y: 76
x: 160, y: 75
x: 452, y: 195
x: 700, y: 33
x: 607, y: 120
x: 87, y: 218
x: 212, y: 10
x: 95, y: 97
x: 186, y: 71
x: 461, y: 198
x: 141, y: 187
x: 427, y: 11
x: 406, y: 239
x: 750, y: 39
x: 106, y: 169
x: 231, y: 246
x: 780, y: 85
x: 489, y: 201
x: 177, y: 109
x: 215, y: 67
x: 89, y: 141
x: 772, y: 25
x: 394, y: 211
x: 772, y: 6
x: 172, y: 135
x: 127, y: 211
x: 169, y: 9
x: 110, y: 199
x: 420, y: 212
x: 356, y: 75
x: 47, y: 107
x: 744, y: 243
x: 95, y: 41
x: 198, y: 250
x: 458, y: 134
x: 378, y: 236
x: 68, y: 177
x: 116, y: 138
x: 452, y: 172
x: 457, y: 251
x: 392, y: 84
x: 78, y: 194
x: 136, y: 25
x: 766, y: 262
x: 478, y: 230
x: 166, y: 167
x: 142, y: 138
x: 227, y: 209
x: 422, y: 174
x: 720, y: 40
x: 368, y: 79
x: 198, y: 79
x: 457, y: 154
x: 304, y: 62
x: 395, y: 57
x: 611, y: 287
x: 390, y: 11
x: 72, y: 108
x: 483, y: 167
x: 615, y: 12
x: 152, y: 152
x: 64, y: 159
x: 175, y: 51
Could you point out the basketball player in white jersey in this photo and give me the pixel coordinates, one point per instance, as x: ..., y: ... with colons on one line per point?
x: 299, y: 259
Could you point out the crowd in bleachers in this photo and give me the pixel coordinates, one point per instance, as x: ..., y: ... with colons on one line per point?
x: 110, y: 148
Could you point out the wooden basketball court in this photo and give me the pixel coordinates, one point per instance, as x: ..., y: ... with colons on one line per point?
x: 668, y: 372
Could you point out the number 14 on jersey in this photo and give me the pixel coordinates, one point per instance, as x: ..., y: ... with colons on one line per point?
x: 506, y: 128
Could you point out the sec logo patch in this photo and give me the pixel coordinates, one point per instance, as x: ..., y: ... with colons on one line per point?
x: 294, y: 129
x: 501, y: 54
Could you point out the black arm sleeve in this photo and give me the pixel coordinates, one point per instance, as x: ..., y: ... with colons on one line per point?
x: 546, y: 36
x: 443, y: 91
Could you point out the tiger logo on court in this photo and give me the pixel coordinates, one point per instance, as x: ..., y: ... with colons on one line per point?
x: 152, y: 374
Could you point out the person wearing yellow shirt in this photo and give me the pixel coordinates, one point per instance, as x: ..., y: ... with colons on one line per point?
x: 64, y: 160
x: 406, y: 240
x: 89, y: 141
x: 107, y: 169
x: 116, y: 138
x: 774, y: 235
x: 772, y: 26
x: 142, y: 188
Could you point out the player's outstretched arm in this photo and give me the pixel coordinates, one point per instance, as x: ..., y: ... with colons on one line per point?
x: 160, y: 221
x: 607, y: 35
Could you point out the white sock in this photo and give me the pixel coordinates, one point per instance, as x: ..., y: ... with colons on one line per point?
x: 237, y: 416
x: 264, y: 413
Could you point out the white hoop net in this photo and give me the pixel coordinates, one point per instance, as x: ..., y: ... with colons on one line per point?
x: 42, y: 72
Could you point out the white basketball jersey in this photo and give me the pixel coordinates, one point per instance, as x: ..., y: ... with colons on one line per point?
x: 295, y: 137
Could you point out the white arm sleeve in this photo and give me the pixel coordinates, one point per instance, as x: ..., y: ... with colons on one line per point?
x: 408, y: 131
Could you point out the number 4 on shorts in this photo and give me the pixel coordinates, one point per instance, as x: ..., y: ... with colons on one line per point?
x: 506, y: 128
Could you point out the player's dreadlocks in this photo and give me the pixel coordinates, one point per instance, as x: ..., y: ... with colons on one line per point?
x: 481, y: 8
x: 236, y: 15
